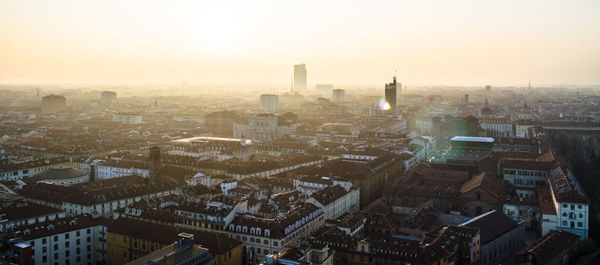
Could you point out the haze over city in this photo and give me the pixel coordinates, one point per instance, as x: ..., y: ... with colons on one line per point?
x: 359, y: 42
x: 299, y: 133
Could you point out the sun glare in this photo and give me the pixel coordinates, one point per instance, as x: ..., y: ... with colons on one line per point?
x: 217, y: 28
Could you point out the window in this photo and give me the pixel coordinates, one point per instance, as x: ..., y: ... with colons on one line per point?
x: 579, y: 224
x: 67, y: 244
x: 67, y: 253
x: 77, y: 233
x: 44, y: 241
x: 78, y: 241
x: 579, y: 206
x: 66, y: 235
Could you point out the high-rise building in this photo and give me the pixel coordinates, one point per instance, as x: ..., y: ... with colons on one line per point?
x: 338, y: 95
x: 269, y: 103
x: 53, y: 103
x: 391, y: 92
x: 299, y: 77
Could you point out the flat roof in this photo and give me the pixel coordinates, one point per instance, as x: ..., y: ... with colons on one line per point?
x: 209, y: 139
x: 472, y: 139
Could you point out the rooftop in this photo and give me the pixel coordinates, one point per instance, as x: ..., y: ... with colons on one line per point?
x: 472, y: 139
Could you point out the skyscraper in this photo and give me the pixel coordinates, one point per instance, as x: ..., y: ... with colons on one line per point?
x: 391, y: 92
x: 299, y: 77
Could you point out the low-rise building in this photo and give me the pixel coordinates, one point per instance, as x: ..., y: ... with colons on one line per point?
x: 501, y: 237
x: 336, y: 201
x: 79, y: 239
x: 263, y: 236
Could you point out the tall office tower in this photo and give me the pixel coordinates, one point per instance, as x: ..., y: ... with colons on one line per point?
x: 269, y: 103
x: 391, y: 92
x: 338, y: 95
x: 154, y: 160
x: 299, y: 77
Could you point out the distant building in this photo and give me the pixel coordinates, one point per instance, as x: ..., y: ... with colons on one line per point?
x: 128, y: 118
x: 391, y: 94
x: 300, y: 77
x: 53, y: 104
x: 264, y: 127
x: 108, y: 97
x: 269, y: 103
x: 339, y: 95
x: 324, y: 89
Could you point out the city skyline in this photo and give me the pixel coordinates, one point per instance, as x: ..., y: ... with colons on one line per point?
x: 457, y: 43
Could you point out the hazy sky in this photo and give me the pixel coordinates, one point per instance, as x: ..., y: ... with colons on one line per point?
x: 429, y: 42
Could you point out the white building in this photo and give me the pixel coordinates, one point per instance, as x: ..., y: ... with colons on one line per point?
x: 336, y: 201
x: 310, y: 185
x: 262, y: 236
x: 228, y: 185
x: 500, y: 127
x: 119, y: 168
x: 570, y: 205
x: 128, y: 118
x: 269, y: 103
x: 74, y: 240
x: 263, y: 127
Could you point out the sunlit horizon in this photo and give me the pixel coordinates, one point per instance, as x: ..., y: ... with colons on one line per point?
x: 460, y: 43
